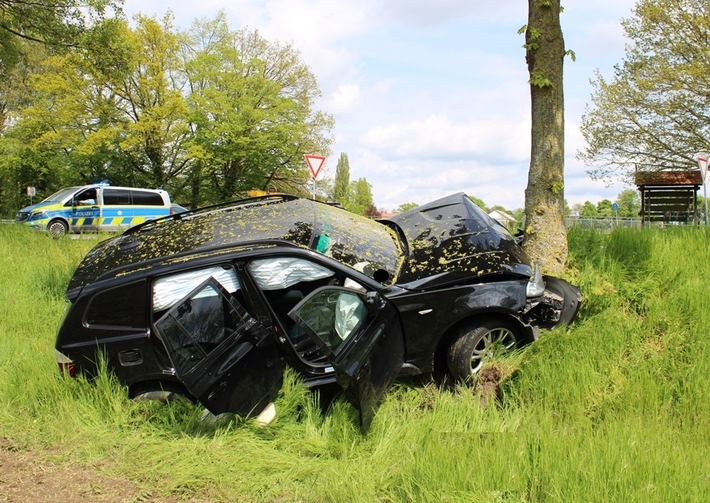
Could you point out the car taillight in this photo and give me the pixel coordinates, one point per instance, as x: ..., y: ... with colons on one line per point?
x: 66, y: 365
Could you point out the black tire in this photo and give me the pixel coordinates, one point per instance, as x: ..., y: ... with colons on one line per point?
x: 159, y: 391
x: 57, y: 228
x: 473, y: 345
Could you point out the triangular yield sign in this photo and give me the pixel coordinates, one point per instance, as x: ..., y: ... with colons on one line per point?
x: 315, y: 163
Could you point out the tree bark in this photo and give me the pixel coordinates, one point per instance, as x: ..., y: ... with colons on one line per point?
x: 545, y: 234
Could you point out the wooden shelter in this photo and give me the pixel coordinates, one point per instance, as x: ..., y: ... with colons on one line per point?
x: 669, y: 196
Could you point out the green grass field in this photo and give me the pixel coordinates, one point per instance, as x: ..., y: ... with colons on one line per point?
x: 615, y: 408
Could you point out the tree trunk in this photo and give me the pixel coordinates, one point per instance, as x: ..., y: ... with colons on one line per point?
x: 545, y: 234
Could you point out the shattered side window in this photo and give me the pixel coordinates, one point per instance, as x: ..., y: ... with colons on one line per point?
x: 168, y: 290
x: 331, y: 314
x: 193, y: 328
x: 277, y: 273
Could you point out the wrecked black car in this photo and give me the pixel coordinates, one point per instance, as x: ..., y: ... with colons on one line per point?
x: 213, y: 303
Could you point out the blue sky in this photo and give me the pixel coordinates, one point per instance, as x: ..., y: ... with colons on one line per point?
x: 430, y: 97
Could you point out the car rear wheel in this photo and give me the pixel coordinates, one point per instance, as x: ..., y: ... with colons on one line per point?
x: 474, y: 345
x: 158, y: 391
x: 57, y: 228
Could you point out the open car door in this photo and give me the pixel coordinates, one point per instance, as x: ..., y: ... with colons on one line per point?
x: 223, y: 356
x: 361, y: 336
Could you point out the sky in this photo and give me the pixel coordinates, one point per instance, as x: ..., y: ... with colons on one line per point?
x: 431, y: 97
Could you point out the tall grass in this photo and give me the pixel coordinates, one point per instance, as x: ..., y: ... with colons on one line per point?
x: 615, y: 408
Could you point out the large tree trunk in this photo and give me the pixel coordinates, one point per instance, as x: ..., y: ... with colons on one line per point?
x: 545, y: 234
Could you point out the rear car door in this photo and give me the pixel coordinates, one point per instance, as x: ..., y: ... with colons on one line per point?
x: 148, y: 204
x: 117, y: 209
x: 224, y: 357
x: 361, y: 336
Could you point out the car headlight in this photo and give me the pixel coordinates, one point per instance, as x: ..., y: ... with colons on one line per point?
x: 536, y: 286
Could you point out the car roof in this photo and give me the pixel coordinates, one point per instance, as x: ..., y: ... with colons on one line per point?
x: 268, y: 221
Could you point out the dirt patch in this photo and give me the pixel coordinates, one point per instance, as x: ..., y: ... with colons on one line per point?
x: 30, y: 477
x: 487, y: 385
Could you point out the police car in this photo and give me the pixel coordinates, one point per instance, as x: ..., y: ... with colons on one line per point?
x: 97, y: 207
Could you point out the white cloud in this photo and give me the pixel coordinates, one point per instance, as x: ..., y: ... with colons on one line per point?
x: 437, y: 137
x: 344, y: 99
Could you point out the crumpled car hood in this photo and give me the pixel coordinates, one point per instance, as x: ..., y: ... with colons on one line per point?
x: 451, y: 239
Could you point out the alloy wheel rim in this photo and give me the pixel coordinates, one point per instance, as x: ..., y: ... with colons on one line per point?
x: 494, y: 342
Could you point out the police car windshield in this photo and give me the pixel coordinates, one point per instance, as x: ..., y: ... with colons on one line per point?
x: 60, y: 196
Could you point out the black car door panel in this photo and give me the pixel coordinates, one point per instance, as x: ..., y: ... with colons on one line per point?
x: 361, y: 336
x: 223, y: 356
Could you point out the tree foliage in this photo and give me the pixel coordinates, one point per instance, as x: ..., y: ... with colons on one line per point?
x: 56, y: 22
x: 361, y: 201
x: 629, y: 203
x: 655, y: 111
x: 405, y: 207
x: 28, y: 29
x: 545, y: 235
x: 341, y: 186
x: 251, y: 106
x: 208, y: 114
x: 478, y: 202
x: 109, y: 111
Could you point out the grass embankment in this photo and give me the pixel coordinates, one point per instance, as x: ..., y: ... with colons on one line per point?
x: 615, y: 408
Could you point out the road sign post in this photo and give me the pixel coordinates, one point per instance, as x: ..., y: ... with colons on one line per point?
x: 315, y: 163
x: 32, y: 192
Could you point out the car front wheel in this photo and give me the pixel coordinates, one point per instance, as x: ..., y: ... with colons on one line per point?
x: 474, y: 345
x: 57, y: 228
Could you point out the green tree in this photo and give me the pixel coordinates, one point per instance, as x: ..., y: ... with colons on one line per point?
x: 151, y: 128
x: 604, y: 208
x: 56, y: 22
x: 362, y: 201
x: 108, y: 112
x: 252, y: 112
x: 406, y: 207
x: 629, y: 203
x: 545, y: 233
x: 207, y: 114
x: 478, y: 202
x: 27, y: 31
x: 341, y: 187
x: 655, y: 111
x: 588, y: 210
x: 27, y: 27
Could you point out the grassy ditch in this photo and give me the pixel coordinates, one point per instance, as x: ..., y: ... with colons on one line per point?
x: 615, y: 408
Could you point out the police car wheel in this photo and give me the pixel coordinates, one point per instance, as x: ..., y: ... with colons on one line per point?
x: 57, y: 228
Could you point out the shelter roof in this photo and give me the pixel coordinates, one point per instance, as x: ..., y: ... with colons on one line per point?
x: 675, y: 177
